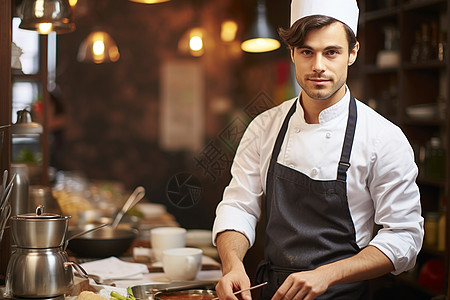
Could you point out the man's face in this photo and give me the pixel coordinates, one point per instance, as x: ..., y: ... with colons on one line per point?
x: 321, y: 64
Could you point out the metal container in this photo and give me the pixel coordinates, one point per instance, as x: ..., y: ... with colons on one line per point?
x: 148, y: 291
x: 39, y: 266
x: 39, y: 230
x: 19, y: 193
x: 188, y: 294
x: 39, y: 273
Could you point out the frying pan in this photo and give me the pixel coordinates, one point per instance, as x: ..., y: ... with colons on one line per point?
x: 104, y: 242
x: 107, y: 241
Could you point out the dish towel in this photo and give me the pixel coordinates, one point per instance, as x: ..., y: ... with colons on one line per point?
x: 112, y: 268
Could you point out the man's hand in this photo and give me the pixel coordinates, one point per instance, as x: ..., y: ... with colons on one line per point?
x: 231, y: 282
x: 303, y: 285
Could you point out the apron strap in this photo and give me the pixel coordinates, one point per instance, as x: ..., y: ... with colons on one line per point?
x: 282, y: 133
x: 344, y: 162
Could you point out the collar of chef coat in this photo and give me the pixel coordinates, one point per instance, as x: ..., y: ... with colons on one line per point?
x: 336, y: 110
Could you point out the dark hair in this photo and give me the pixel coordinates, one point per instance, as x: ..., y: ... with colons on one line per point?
x: 295, y: 36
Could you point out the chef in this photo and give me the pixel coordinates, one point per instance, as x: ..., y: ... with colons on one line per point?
x: 326, y: 168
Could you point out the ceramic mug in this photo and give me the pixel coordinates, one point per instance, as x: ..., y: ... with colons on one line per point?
x: 182, y: 263
x: 163, y: 238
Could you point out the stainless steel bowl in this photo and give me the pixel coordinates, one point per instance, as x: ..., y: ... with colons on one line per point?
x: 188, y: 294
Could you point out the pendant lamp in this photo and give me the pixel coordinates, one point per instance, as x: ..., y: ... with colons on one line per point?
x: 98, y: 47
x: 261, y: 37
x: 46, y: 16
x: 192, y: 42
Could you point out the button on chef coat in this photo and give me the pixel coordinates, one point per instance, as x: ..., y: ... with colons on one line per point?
x: 381, y: 184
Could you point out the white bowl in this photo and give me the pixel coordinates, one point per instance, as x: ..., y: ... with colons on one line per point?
x: 151, y: 210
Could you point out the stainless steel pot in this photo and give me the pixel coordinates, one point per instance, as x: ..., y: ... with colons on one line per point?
x: 40, y: 273
x: 39, y: 266
x: 39, y: 230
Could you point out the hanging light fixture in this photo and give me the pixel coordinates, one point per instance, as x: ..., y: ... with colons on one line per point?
x: 228, y: 30
x: 98, y: 47
x: 192, y: 42
x: 261, y: 37
x: 46, y: 16
x: 149, y: 1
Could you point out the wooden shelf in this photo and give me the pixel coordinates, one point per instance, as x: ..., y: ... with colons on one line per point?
x: 397, y: 88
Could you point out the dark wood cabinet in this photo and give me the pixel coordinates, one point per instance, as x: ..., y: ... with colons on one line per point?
x: 403, y: 71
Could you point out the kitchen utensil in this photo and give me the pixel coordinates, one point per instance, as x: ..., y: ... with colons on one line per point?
x: 39, y: 230
x: 101, y: 243
x: 5, y: 213
x: 39, y: 267
x: 5, y: 178
x: 187, y: 294
x: 137, y: 195
x: 19, y: 192
x: 83, y: 233
x: 40, y: 273
x: 244, y: 290
x: 7, y: 192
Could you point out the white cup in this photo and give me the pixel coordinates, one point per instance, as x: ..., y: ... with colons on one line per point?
x: 182, y: 263
x: 163, y: 238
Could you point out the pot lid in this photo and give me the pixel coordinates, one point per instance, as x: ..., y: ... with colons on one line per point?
x: 39, y: 214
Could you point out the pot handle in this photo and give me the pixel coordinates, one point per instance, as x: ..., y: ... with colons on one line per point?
x: 83, y: 233
x: 77, y: 267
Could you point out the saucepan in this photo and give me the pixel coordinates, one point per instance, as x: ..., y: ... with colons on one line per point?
x: 108, y: 241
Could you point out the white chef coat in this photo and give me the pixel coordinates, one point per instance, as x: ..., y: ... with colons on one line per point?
x: 381, y: 184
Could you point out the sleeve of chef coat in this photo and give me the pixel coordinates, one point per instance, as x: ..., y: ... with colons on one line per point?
x: 240, y: 207
x: 396, y: 200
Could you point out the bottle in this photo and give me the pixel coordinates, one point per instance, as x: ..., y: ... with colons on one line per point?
x: 19, y: 192
x: 442, y: 46
x: 442, y: 232
x: 431, y: 228
x: 435, y: 159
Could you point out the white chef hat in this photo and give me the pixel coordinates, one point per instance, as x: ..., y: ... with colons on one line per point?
x: 345, y: 11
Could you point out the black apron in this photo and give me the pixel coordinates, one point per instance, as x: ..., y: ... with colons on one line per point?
x: 308, y: 221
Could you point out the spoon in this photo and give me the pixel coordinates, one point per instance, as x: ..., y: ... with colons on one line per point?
x: 244, y: 290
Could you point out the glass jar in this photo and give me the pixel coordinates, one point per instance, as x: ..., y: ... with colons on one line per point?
x: 442, y: 232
